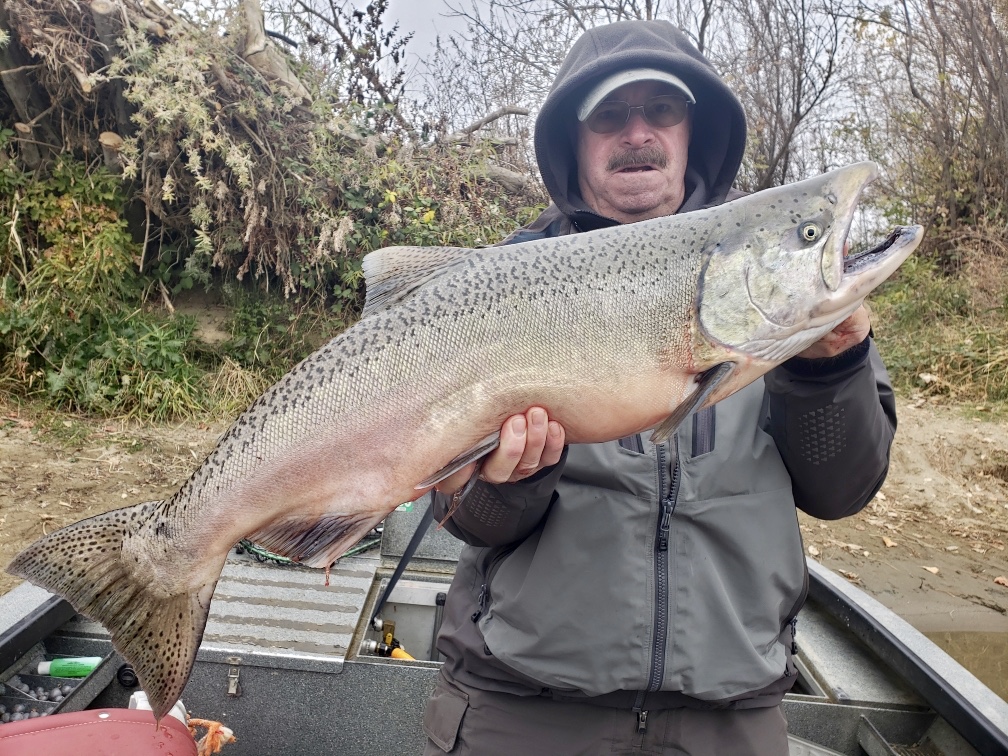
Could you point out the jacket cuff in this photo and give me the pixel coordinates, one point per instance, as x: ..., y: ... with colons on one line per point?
x: 494, y: 515
x: 805, y: 368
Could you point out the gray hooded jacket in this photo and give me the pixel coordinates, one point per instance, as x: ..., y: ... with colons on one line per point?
x: 644, y: 576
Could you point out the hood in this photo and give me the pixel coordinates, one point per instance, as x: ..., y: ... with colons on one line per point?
x: 714, y: 160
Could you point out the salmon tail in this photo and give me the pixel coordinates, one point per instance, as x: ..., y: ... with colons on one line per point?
x: 157, y: 634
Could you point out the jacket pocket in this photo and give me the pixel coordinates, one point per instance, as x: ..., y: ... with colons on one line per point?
x: 443, y: 716
x: 632, y: 443
x: 704, y: 422
x: 483, y: 599
x: 737, y: 577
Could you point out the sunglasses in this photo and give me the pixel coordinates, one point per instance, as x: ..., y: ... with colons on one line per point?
x: 661, y: 112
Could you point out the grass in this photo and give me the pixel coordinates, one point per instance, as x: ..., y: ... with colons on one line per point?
x: 67, y: 430
x: 945, y: 333
x: 151, y: 366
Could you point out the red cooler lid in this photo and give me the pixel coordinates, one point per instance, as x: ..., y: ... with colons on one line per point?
x: 97, y: 732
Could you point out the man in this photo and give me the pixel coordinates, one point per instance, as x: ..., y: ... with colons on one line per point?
x: 623, y: 596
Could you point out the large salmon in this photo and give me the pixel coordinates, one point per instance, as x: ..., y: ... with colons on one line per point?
x: 613, y: 332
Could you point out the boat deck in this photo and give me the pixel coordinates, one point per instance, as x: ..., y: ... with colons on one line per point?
x: 286, y: 613
x: 281, y: 664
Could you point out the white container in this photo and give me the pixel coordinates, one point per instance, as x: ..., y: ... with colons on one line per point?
x: 139, y: 701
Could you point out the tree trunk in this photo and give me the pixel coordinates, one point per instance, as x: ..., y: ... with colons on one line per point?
x: 36, y: 138
x: 111, y: 144
x: 108, y: 25
x: 263, y: 55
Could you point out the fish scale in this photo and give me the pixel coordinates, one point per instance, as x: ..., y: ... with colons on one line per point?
x: 612, y: 332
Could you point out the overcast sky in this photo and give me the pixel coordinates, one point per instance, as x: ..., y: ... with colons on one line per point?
x: 426, y: 19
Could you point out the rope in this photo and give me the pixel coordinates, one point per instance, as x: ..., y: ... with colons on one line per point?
x: 263, y: 555
x: 217, y: 735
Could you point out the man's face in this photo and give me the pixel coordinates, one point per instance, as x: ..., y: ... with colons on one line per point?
x: 637, y: 172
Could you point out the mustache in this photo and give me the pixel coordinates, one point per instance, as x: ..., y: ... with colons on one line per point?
x: 651, y: 155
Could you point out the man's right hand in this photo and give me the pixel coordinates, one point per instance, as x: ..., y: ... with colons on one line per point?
x: 528, y: 443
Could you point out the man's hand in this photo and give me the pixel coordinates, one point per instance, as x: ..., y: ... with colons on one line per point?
x: 849, y: 333
x: 528, y: 443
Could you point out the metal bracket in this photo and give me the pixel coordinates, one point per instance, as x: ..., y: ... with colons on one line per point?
x: 872, y: 741
x: 234, y: 687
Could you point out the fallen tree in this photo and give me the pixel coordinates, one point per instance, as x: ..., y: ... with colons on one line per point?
x: 145, y: 152
x: 233, y: 162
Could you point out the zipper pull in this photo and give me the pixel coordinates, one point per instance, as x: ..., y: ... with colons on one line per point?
x: 668, y: 507
x: 641, y: 722
x: 481, y: 600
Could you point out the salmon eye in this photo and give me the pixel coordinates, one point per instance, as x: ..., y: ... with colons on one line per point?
x: 809, y: 231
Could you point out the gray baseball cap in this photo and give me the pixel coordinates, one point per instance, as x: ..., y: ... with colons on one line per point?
x: 602, y: 90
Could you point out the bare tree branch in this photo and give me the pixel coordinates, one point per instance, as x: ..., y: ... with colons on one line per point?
x: 499, y: 113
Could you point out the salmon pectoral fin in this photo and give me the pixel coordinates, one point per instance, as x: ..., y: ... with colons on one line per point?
x: 157, y: 634
x: 315, y: 541
x: 706, y: 383
x: 479, y: 451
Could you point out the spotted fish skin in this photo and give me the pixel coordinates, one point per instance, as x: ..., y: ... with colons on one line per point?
x: 613, y: 332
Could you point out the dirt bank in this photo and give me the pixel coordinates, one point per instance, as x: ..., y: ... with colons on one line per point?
x: 931, y: 545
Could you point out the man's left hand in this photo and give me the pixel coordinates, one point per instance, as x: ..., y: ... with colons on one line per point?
x: 849, y: 333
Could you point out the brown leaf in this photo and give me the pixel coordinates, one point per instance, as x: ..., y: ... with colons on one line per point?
x: 1001, y: 580
x: 932, y: 570
x: 813, y: 551
x: 852, y: 576
x: 889, y: 542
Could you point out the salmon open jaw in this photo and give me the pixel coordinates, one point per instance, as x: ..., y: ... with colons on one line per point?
x: 862, y: 260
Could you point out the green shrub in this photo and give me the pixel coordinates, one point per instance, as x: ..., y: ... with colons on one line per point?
x: 939, y: 336
x: 260, y: 186
x: 270, y: 334
x: 72, y: 325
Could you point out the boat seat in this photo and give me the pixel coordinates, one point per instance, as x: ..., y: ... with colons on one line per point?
x: 97, y: 732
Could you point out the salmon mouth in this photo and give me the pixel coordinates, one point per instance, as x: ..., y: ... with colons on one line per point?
x: 862, y: 260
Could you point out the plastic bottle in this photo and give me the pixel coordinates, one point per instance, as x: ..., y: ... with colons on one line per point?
x: 71, y: 666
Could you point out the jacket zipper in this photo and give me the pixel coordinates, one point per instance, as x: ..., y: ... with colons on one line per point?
x: 668, y: 506
x: 483, y: 599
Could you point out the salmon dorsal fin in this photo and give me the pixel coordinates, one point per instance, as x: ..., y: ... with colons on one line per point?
x: 706, y: 383
x: 392, y: 273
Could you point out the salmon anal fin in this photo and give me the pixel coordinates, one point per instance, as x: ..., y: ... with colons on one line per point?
x: 315, y: 541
